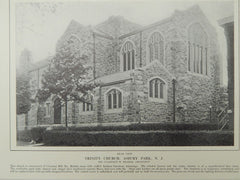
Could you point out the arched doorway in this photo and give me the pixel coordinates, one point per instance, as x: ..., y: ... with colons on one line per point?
x: 57, y: 111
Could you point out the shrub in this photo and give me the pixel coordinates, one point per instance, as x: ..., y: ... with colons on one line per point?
x: 168, y: 138
x: 144, y: 126
x: 35, y: 134
x: 24, y: 135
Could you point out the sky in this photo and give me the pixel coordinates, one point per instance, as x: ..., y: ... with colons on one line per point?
x: 38, y: 26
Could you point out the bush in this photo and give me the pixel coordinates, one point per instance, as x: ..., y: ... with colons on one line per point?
x: 144, y: 126
x: 35, y: 134
x: 171, y: 138
x: 24, y: 135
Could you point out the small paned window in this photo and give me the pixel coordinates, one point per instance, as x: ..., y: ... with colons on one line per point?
x: 197, y: 50
x: 114, y: 99
x: 128, y: 56
x: 156, y: 47
x: 157, y: 88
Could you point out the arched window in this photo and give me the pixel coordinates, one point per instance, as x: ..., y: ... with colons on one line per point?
x: 156, y: 47
x: 114, y: 99
x: 128, y: 56
x: 197, y: 49
x: 157, y: 89
x: 88, y: 104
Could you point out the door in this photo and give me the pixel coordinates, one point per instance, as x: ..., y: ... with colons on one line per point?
x: 57, y: 111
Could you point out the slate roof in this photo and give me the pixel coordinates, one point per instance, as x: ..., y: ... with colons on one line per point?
x: 119, y: 76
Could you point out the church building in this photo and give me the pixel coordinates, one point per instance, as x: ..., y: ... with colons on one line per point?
x: 168, y: 71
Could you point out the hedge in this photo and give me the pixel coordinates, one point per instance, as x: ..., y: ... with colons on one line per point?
x: 136, y: 138
x: 35, y: 134
x: 145, y: 126
x: 24, y: 135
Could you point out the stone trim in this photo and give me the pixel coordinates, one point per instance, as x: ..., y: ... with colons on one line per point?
x: 147, y: 48
x: 81, y: 112
x: 121, y: 55
x: 207, y: 46
x: 106, y: 110
x: 165, y: 91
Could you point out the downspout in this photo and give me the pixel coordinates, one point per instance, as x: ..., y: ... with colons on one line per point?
x: 94, y: 56
x: 115, y: 53
x: 140, y: 48
x: 99, y: 108
x: 174, y: 100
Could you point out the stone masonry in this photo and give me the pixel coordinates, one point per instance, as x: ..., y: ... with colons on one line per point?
x: 194, y: 92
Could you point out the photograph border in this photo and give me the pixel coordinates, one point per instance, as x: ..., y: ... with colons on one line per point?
x: 12, y: 105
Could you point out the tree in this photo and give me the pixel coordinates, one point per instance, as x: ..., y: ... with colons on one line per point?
x: 66, y: 77
x: 23, y: 96
x: 25, y: 61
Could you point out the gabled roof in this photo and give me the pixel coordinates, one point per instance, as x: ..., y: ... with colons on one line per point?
x: 194, y: 8
x: 126, y: 75
x: 226, y: 20
x: 74, y: 26
x: 120, y: 76
x: 156, y: 63
x: 116, y: 26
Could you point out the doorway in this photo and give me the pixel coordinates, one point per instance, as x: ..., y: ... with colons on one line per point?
x: 57, y: 111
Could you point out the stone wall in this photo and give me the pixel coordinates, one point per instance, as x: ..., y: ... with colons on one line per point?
x: 105, y: 58
x: 132, y: 91
x: 195, y: 93
x: 154, y: 111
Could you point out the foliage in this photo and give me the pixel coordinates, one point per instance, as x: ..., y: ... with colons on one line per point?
x: 23, y: 93
x: 67, y: 76
x: 144, y: 138
x: 24, y: 135
x: 35, y: 134
x: 25, y: 61
x: 146, y: 127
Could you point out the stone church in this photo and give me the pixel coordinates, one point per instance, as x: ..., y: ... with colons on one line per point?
x: 168, y: 71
